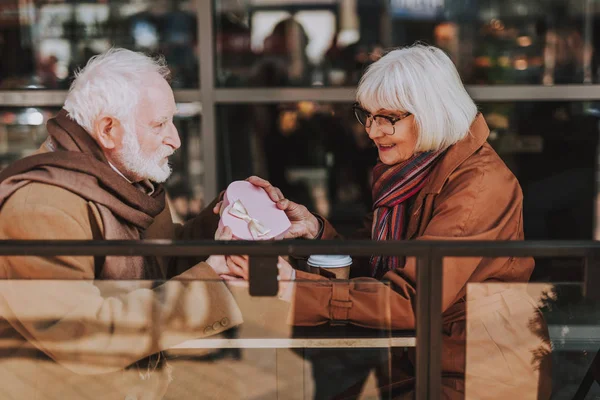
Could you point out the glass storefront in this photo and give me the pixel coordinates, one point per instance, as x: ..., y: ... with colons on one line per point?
x: 23, y: 130
x: 323, y: 45
x: 44, y: 42
x: 331, y: 42
x: 320, y: 156
x: 265, y: 87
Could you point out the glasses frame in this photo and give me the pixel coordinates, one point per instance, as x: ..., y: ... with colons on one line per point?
x: 370, y: 117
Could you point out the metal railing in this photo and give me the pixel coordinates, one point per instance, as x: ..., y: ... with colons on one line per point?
x: 263, y: 271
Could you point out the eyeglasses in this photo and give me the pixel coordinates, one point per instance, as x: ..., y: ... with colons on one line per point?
x: 385, y: 123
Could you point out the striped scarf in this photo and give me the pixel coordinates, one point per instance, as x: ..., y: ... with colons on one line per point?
x: 392, y: 187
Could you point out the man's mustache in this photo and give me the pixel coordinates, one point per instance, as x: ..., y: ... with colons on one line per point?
x: 167, y: 152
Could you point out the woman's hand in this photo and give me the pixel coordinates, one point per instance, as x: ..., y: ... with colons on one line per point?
x: 286, y: 271
x: 304, y: 224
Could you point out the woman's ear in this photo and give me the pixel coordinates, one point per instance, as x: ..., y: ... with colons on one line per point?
x: 108, y: 132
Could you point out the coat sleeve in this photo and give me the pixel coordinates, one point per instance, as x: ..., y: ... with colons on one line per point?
x: 469, y: 208
x: 202, y: 227
x: 54, y: 303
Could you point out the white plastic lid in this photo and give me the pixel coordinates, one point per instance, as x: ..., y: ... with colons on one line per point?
x: 329, y: 261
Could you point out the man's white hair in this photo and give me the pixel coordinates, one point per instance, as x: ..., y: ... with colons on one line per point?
x: 110, y: 84
x: 422, y: 80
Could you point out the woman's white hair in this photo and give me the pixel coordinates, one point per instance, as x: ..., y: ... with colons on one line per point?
x: 422, y: 80
x: 110, y: 84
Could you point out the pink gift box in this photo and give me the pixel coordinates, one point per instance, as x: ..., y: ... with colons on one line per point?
x: 251, y: 214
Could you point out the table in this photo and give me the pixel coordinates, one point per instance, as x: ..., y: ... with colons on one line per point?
x: 325, y: 336
x: 290, y: 343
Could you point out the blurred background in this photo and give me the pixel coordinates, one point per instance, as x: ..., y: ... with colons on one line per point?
x: 264, y: 87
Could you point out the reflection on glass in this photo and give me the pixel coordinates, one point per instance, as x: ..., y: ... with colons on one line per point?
x: 104, y: 345
x: 504, y: 328
x: 42, y: 43
x: 331, y: 42
x: 503, y: 345
x: 547, y: 332
x: 520, y: 340
x: 23, y: 130
x: 573, y: 326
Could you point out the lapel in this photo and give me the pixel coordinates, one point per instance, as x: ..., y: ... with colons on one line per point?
x: 421, y: 204
x: 422, y: 209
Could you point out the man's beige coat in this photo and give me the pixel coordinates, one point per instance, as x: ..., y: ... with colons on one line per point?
x: 65, y: 336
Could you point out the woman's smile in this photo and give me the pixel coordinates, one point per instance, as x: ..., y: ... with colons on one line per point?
x: 385, y: 147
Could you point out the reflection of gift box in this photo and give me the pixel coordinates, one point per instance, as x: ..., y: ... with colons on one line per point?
x: 251, y: 214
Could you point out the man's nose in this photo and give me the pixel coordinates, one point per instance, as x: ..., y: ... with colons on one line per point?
x: 172, y: 138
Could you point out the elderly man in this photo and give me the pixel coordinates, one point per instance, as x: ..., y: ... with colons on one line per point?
x: 80, y: 334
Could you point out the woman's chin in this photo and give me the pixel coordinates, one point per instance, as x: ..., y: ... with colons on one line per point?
x: 388, y: 159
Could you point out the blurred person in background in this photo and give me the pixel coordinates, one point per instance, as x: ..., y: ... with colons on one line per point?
x: 437, y: 179
x: 278, y: 129
x: 284, y: 60
x: 76, y: 327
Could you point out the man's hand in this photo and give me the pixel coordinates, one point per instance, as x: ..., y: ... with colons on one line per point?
x: 285, y: 276
x: 228, y: 266
x: 304, y: 224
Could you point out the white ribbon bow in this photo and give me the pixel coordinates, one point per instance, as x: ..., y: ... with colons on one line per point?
x: 257, y: 229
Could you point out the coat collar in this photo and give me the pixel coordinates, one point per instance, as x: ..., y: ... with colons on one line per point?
x: 457, y: 154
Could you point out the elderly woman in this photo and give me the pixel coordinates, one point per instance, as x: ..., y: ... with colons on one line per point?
x: 436, y: 179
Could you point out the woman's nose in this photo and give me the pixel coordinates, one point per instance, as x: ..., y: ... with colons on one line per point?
x: 373, y: 131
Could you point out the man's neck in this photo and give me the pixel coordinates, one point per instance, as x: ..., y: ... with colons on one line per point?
x: 119, y: 172
x: 144, y: 185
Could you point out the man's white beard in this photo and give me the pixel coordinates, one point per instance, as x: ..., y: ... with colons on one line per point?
x: 141, y: 165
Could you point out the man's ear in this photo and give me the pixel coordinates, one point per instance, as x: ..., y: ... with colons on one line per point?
x: 108, y: 132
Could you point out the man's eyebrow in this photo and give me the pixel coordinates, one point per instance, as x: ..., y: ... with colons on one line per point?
x: 167, y: 116
x: 160, y: 120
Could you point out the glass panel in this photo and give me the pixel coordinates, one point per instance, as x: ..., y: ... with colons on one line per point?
x: 23, y: 130
x: 551, y: 144
x: 495, y: 341
x: 320, y: 156
x: 181, y: 339
x: 208, y: 331
x: 523, y: 339
x: 546, y: 143
x: 331, y: 42
x: 185, y: 187
x: 316, y: 153
x: 43, y: 42
x: 574, y: 331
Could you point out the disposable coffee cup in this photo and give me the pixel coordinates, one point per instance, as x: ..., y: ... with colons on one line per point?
x: 328, y: 265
